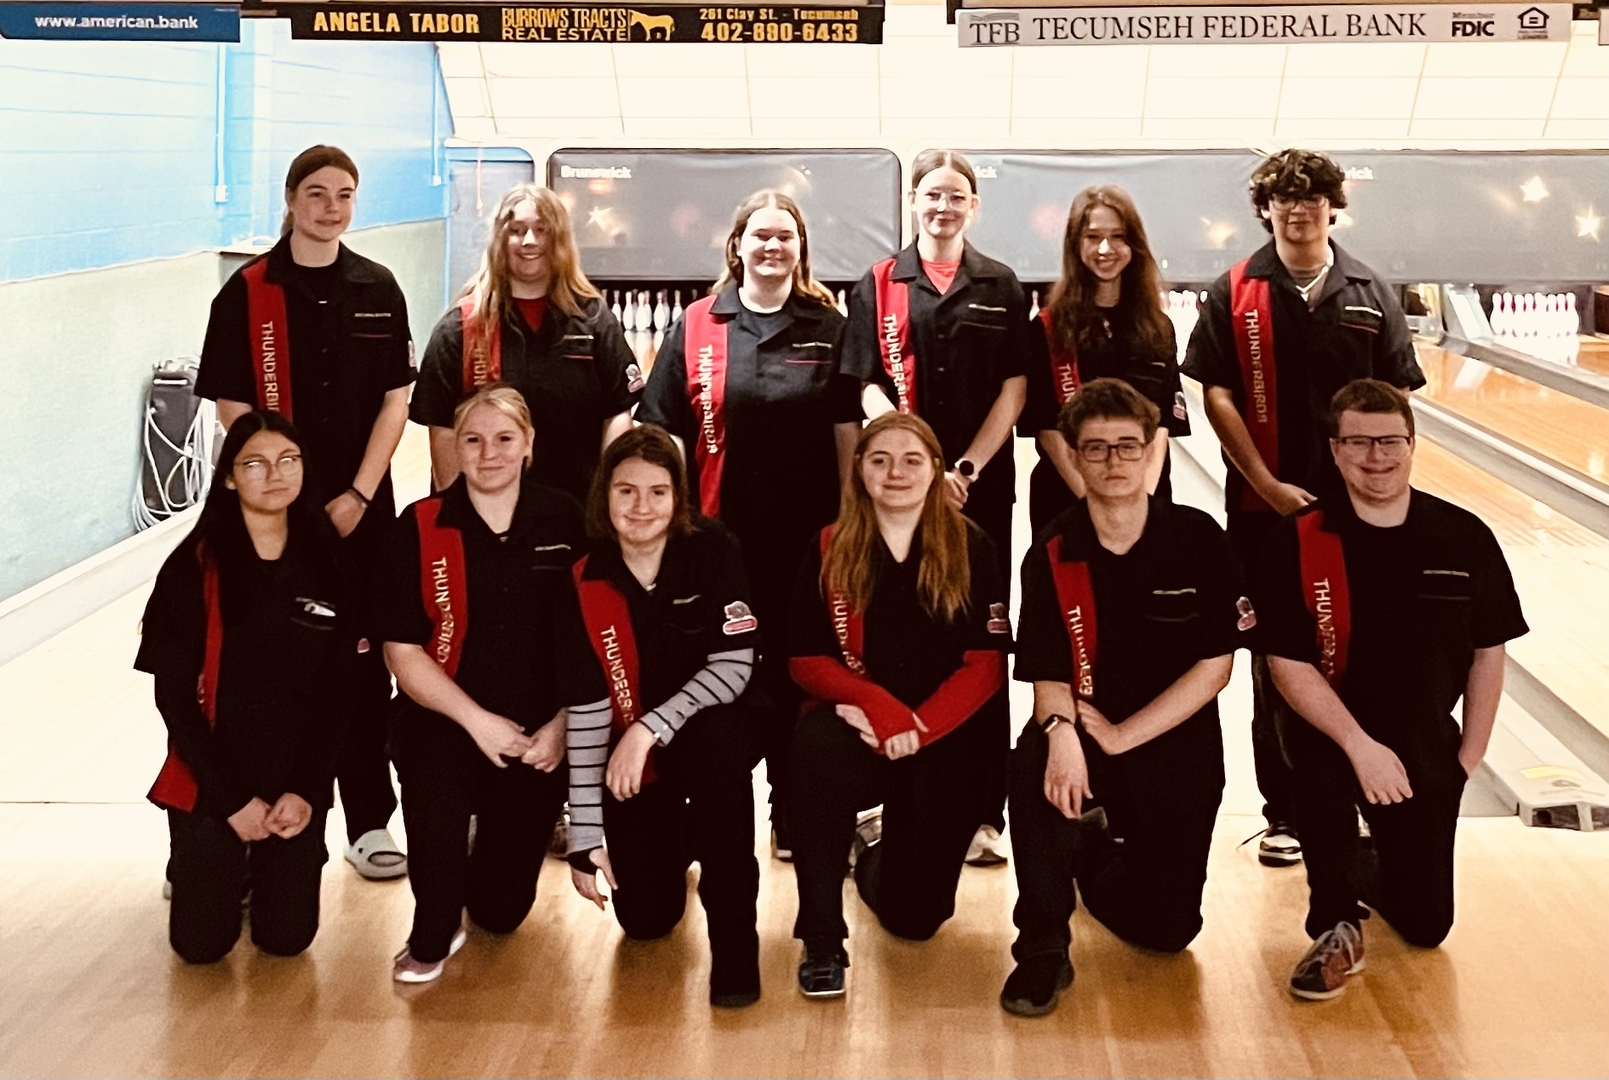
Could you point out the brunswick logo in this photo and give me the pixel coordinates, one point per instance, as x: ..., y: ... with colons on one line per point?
x: 610, y: 172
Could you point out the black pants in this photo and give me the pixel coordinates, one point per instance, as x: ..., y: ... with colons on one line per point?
x: 699, y: 807
x: 1247, y: 533
x: 363, y: 768
x: 1408, y: 878
x: 445, y: 779
x: 992, y: 511
x: 1161, y: 799
x: 931, y: 802
x: 771, y: 561
x: 209, y: 866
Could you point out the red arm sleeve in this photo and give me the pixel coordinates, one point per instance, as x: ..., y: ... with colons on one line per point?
x: 827, y: 679
x: 981, y: 675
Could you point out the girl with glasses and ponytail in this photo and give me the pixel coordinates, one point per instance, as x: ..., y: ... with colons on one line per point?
x: 250, y: 635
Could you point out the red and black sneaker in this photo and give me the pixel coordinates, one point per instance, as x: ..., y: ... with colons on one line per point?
x: 1322, y: 973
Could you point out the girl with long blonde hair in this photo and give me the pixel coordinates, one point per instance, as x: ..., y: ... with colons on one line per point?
x: 899, y: 635
x: 529, y: 317
x: 748, y: 381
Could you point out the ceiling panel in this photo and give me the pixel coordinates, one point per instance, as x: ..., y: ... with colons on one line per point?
x: 936, y: 96
x: 1211, y: 98
x: 1106, y: 98
x: 688, y: 127
x: 1494, y: 60
x: 680, y: 59
x: 1580, y: 99
x: 1474, y: 131
x: 785, y: 130
x: 811, y: 61
x: 1309, y: 131
x: 555, y: 97
x: 1108, y: 61
x: 466, y: 97
x: 852, y: 97
x: 684, y: 97
x: 1465, y: 99
x: 564, y: 128
x: 549, y: 61
x: 1217, y: 61
x: 1355, y: 61
x: 1332, y: 97
x: 1077, y: 132
x: 460, y: 59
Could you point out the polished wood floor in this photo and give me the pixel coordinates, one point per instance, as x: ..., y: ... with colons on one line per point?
x: 1553, y: 424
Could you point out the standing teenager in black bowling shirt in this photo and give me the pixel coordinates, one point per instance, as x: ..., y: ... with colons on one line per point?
x: 1379, y: 607
x: 899, y: 632
x: 1278, y: 336
x: 661, y: 747
x: 1104, y: 320
x: 1128, y: 633
x: 320, y: 334
x: 766, y: 422
x: 470, y: 589
x: 941, y: 331
x: 535, y: 322
x: 250, y: 634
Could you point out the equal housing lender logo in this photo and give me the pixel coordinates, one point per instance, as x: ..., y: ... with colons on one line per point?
x: 1330, y: 23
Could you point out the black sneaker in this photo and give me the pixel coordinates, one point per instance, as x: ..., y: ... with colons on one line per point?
x: 735, y: 986
x: 1279, y: 846
x: 821, y: 972
x: 1033, y: 988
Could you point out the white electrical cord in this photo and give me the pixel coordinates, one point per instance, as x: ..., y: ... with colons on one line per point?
x: 192, y: 467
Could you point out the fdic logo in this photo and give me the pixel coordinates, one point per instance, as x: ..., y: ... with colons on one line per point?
x: 611, y: 172
x: 996, y: 28
x: 1533, y: 24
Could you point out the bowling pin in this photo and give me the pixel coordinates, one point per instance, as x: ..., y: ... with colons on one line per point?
x: 645, y: 313
x: 1033, y: 307
x: 628, y: 314
x: 1572, y: 317
x: 676, y: 309
x: 615, y: 307
x: 661, y: 316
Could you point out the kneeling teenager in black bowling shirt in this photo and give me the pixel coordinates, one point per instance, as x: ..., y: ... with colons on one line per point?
x: 1104, y: 319
x: 1128, y: 634
x: 899, y: 632
x: 249, y: 632
x: 470, y: 588
x: 1378, y: 608
x: 653, y: 664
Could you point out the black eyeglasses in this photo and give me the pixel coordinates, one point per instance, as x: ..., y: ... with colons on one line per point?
x: 1098, y: 452
x: 1389, y: 445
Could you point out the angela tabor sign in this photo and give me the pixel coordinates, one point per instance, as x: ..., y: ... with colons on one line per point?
x: 1329, y: 23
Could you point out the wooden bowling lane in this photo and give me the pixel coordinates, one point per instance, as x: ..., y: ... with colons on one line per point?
x: 1561, y: 570
x: 1547, y: 422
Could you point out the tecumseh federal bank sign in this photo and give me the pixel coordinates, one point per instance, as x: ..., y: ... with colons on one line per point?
x: 1326, y: 24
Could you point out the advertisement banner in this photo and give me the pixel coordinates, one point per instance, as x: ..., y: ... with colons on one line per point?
x: 1316, y: 24
x: 137, y: 21
x: 546, y: 22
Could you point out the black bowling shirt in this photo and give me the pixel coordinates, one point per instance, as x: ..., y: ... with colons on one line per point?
x: 907, y: 651
x: 518, y: 587
x: 1424, y: 596
x: 346, y: 354
x: 783, y: 396
x: 967, y: 343
x: 699, y: 605
x: 1356, y: 330
x: 285, y: 675
x: 1113, y: 352
x: 1160, y: 608
x: 575, y: 371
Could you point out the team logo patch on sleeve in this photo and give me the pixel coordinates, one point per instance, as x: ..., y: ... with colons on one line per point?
x: 999, y: 621
x: 739, y: 619
x: 1179, y: 410
x: 1248, y: 617
x: 363, y: 646
x: 634, y: 379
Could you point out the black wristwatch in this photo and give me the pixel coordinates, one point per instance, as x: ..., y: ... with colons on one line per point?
x: 965, y: 468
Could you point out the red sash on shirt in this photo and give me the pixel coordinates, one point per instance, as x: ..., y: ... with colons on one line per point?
x: 848, y: 625
x: 1252, y: 318
x: 894, y: 334
x: 444, y: 583
x: 705, y: 354
x: 1076, y: 593
x: 483, y: 348
x: 608, y: 620
x: 268, y: 330
x: 1324, y: 588
x: 175, y: 785
x: 1063, y: 364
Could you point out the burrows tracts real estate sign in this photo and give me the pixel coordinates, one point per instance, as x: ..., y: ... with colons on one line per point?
x: 1321, y: 24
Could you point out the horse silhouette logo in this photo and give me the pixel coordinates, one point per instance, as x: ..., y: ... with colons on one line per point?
x: 666, y: 24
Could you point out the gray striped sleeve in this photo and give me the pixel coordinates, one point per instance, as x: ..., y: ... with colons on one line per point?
x: 586, y: 737
x: 718, y: 682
